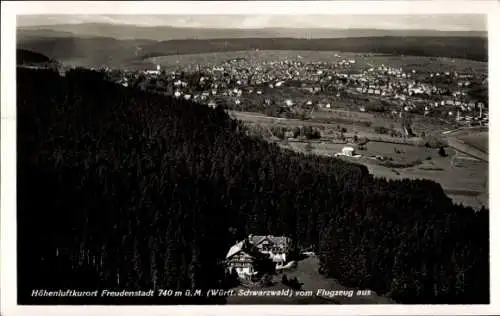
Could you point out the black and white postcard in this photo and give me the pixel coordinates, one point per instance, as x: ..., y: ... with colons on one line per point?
x: 171, y: 155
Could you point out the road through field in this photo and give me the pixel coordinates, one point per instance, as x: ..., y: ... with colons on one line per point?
x: 462, y: 173
x: 461, y: 146
x: 256, y: 117
x: 354, y: 129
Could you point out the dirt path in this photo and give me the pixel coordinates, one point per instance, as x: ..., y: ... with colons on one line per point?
x: 307, y: 273
x: 312, y: 285
x: 452, y: 160
x: 466, y: 149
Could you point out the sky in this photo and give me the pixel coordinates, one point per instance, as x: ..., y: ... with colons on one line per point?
x: 421, y: 22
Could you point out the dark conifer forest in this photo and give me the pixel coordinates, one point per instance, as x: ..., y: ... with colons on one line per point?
x: 124, y: 189
x: 28, y: 57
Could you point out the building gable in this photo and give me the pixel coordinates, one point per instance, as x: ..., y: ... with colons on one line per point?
x: 258, y: 240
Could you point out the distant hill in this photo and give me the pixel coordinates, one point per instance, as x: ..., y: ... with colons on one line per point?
x: 165, y: 33
x: 474, y: 48
x: 24, y: 57
x: 95, y: 51
x: 98, y: 51
x: 29, y: 34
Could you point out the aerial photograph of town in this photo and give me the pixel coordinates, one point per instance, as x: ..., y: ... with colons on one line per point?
x: 252, y: 160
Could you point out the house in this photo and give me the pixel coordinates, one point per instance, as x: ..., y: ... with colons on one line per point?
x: 244, y: 256
x: 154, y: 72
x: 273, y: 245
x: 348, y: 151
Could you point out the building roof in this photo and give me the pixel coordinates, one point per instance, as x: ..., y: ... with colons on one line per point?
x: 248, y: 247
x: 234, y: 249
x: 254, y: 240
x: 257, y: 239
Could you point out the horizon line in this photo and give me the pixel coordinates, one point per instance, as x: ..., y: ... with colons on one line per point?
x: 249, y: 28
x: 444, y: 22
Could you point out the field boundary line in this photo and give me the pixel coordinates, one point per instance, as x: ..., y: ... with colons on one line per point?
x: 468, y: 154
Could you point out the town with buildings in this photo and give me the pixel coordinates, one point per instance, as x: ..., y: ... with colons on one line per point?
x: 241, y: 165
x: 400, y: 117
x: 298, y: 87
x: 294, y: 89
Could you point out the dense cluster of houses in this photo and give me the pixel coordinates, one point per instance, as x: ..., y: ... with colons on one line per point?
x: 424, y: 93
x: 323, y: 83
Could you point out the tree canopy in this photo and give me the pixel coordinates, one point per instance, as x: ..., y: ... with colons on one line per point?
x: 120, y: 188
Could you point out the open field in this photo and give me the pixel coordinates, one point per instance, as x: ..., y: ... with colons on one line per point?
x: 363, y: 60
x: 420, y: 123
x: 256, y: 118
x: 334, y: 113
x: 466, y: 148
x: 471, y: 141
x: 362, y: 131
x: 424, y: 64
x: 463, y: 177
x: 464, y: 180
x: 401, y: 153
x: 398, y: 153
x: 307, y: 273
x: 331, y: 121
x: 478, y: 141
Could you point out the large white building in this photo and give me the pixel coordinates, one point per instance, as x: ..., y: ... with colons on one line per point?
x: 154, y: 72
x: 348, y: 151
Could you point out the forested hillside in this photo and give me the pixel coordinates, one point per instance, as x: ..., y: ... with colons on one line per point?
x: 118, y: 188
x: 164, y: 33
x: 99, y: 51
x: 29, y: 57
x: 474, y: 48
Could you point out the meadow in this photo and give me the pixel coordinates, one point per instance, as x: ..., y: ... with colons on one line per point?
x: 477, y: 140
x: 464, y: 179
